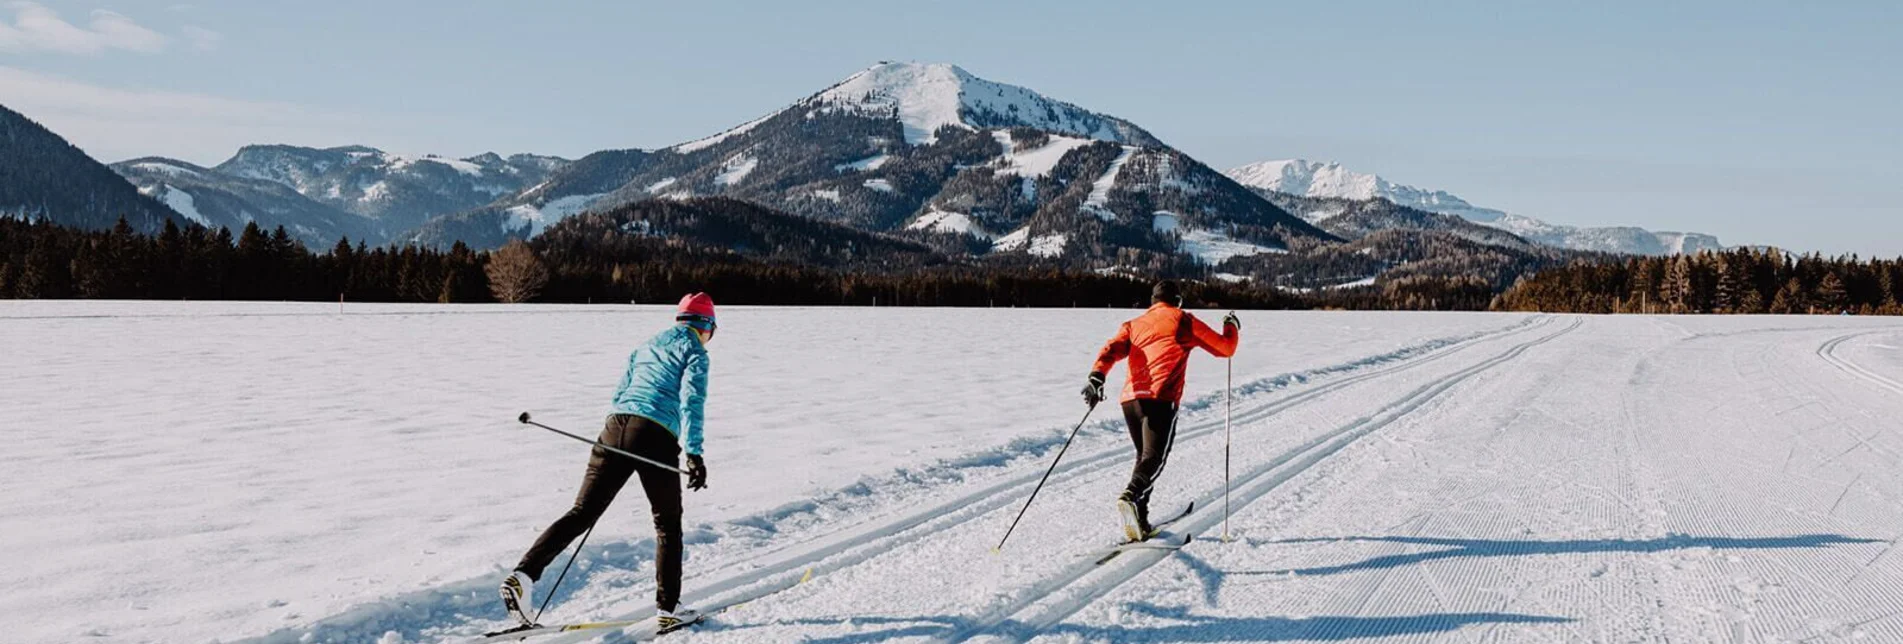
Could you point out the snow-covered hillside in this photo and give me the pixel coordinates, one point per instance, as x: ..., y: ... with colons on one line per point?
x: 1304, y: 178
x: 927, y: 150
x: 399, y: 191
x: 214, y: 199
x: 926, y: 97
x: 1394, y: 476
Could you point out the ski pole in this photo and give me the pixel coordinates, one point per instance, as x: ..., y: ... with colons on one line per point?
x: 558, y: 578
x: 1047, y: 476
x: 1228, y: 387
x: 525, y: 420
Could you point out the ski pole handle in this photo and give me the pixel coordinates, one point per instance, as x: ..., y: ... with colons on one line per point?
x: 524, y: 418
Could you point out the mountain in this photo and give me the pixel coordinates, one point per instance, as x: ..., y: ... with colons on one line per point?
x: 398, y: 192
x: 42, y: 177
x: 1353, y: 219
x: 215, y: 199
x: 734, y: 227
x: 934, y: 153
x: 1331, y: 180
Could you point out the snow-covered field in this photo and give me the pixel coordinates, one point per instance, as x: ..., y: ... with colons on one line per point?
x: 184, y: 472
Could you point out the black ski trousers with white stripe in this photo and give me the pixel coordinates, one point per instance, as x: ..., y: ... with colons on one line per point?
x: 1153, y: 431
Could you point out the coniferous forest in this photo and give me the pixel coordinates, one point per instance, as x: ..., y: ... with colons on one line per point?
x: 580, y: 262
x: 46, y: 261
x: 1742, y: 281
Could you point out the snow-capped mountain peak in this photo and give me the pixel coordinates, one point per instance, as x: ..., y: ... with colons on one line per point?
x: 928, y: 96
x: 924, y: 97
x: 1331, y: 180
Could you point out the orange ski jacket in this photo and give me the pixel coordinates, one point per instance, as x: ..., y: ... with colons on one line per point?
x: 1157, y: 344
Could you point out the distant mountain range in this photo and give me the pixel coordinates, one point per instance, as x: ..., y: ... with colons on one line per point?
x: 1304, y: 178
x: 920, y: 156
x: 931, y: 152
x: 44, y: 178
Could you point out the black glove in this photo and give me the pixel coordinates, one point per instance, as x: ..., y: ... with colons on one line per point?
x: 1093, y: 390
x: 1231, y: 319
x: 696, y: 473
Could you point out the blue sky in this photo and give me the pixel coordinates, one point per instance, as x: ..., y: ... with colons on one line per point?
x: 1760, y: 122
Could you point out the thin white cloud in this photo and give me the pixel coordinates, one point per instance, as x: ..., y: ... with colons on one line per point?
x: 112, y: 123
x: 202, y: 39
x: 36, y: 28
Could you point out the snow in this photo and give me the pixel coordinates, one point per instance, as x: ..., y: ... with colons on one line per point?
x: 539, y: 218
x: 1164, y: 221
x: 939, y: 221
x: 1099, y: 198
x: 659, y: 185
x: 1331, y: 180
x: 1051, y: 245
x: 376, y: 191
x: 829, y: 194
x: 182, y: 202
x: 1014, y: 240
x: 458, y: 165
x: 165, y: 168
x: 1209, y: 247
x: 1036, y: 162
x: 926, y: 97
x: 1395, y: 476
x: 880, y: 185
x: 743, y: 128
x: 736, y: 169
x: 869, y: 163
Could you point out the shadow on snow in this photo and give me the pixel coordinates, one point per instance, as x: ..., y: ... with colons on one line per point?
x: 1185, y: 627
x: 1457, y: 548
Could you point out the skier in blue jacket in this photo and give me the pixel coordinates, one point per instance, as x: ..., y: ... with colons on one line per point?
x: 657, y: 410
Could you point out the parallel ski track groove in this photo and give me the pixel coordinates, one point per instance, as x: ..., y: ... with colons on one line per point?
x: 1828, y: 351
x: 773, y: 578
x: 1251, y: 486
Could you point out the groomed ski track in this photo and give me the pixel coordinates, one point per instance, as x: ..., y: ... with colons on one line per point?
x: 1660, y: 507
x: 824, y: 561
x: 447, y: 613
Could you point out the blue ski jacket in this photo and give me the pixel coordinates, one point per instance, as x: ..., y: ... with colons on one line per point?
x: 666, y: 382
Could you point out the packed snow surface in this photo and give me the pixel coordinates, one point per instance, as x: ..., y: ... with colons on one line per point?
x: 735, y: 170
x: 1038, y: 161
x: 166, y: 168
x: 182, y: 202
x: 310, y: 475
x: 869, y: 163
x: 880, y: 185
x: 1097, y: 202
x: 940, y: 221
x: 539, y: 218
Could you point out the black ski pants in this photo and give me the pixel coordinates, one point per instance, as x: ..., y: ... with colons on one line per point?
x: 1153, y: 431
x: 607, y: 472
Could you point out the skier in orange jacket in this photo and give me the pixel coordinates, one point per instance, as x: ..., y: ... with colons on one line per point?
x: 1157, y: 344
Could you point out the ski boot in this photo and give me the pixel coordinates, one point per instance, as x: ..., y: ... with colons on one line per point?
x: 516, y: 591
x: 668, y: 621
x: 1136, y: 518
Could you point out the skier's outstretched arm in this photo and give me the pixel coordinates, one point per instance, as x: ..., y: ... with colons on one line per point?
x: 1113, y: 351
x: 1221, y: 345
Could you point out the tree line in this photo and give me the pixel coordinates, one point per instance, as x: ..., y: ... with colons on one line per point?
x: 1742, y: 280
x: 40, y: 260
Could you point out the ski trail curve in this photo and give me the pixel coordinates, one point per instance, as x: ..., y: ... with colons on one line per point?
x: 1063, y: 595
x: 1828, y: 351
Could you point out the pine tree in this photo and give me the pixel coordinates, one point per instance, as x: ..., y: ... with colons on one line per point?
x: 1830, y: 293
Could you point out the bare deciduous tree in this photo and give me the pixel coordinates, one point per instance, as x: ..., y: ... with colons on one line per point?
x: 516, y: 274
